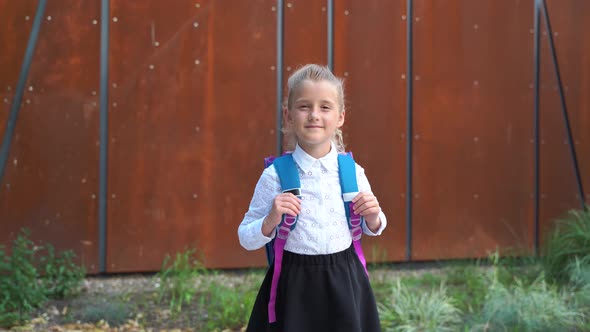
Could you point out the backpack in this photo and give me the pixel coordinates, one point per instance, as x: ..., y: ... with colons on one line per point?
x: 289, y: 178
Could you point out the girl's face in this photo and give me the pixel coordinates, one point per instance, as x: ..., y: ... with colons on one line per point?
x: 314, y: 116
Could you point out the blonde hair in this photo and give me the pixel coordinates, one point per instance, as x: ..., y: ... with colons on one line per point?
x: 314, y: 73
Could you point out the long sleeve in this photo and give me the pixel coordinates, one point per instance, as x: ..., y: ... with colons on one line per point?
x: 250, y: 229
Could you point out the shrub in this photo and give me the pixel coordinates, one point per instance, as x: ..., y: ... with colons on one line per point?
x: 28, y: 278
x: 428, y: 311
x: 538, y: 307
x: 19, y: 286
x: 569, y: 241
x: 113, y: 311
x: 61, y: 277
x: 177, y: 279
x: 227, y: 307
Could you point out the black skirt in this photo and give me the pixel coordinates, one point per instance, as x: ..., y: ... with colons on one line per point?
x: 320, y: 293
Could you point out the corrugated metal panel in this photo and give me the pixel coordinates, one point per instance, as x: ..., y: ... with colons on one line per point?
x: 370, y: 57
x: 194, y: 117
x: 50, y: 183
x: 473, y: 123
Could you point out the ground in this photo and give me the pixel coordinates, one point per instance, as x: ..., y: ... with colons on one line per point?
x: 131, y: 303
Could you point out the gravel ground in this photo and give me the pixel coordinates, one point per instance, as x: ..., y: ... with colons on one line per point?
x: 147, y: 282
x: 138, y: 291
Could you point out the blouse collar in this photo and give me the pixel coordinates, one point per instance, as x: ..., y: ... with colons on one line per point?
x: 305, y: 161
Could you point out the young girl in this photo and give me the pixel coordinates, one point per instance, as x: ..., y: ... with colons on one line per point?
x: 323, y: 285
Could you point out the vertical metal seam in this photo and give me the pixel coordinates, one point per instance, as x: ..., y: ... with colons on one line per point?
x: 564, y: 106
x: 279, y: 69
x: 331, y: 34
x: 19, y: 91
x: 103, y: 160
x: 410, y: 134
x: 536, y: 121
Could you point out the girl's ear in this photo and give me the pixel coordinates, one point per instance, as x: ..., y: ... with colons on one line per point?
x: 286, y: 115
x: 341, y: 119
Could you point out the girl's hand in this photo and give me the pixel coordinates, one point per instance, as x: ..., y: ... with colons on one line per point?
x: 286, y: 203
x: 367, y: 205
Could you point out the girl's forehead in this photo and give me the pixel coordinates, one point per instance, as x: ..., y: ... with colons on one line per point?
x: 316, y: 90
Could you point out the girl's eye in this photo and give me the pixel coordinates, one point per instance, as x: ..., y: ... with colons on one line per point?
x: 326, y: 108
x: 303, y: 107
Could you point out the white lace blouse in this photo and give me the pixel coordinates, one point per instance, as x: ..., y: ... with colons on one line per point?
x: 322, y: 227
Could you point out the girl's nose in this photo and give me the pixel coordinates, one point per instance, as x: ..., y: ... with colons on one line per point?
x: 313, y: 113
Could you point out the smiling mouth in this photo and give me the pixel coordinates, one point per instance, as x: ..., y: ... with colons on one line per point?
x: 313, y: 127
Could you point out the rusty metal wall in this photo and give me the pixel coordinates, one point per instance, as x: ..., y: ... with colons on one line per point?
x: 558, y: 185
x: 376, y: 108
x: 473, y: 122
x: 13, y: 42
x: 191, y: 119
x: 305, y: 34
x: 305, y: 25
x: 50, y: 182
x: 192, y: 107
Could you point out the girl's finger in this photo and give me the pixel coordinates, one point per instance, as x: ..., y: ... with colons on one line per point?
x: 289, y: 198
x: 358, y: 197
x: 289, y: 208
x: 370, y: 211
x: 292, y: 204
x: 364, y: 204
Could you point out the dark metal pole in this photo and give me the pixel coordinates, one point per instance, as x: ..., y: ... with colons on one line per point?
x: 22, y: 80
x: 279, y: 69
x: 537, y: 58
x: 410, y: 132
x: 104, y: 122
x: 563, y: 106
x: 331, y: 34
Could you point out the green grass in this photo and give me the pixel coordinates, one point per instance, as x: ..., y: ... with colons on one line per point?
x: 113, y: 311
x: 32, y: 274
x: 407, y: 310
x: 177, y: 279
x: 508, y: 293
x: 228, y: 307
x: 538, y: 307
x: 567, y: 242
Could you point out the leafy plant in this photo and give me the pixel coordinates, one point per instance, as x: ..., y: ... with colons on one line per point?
x: 467, y: 286
x: 177, y: 279
x: 227, y: 307
x: 410, y: 311
x: 568, y: 241
x: 512, y: 304
x: 538, y: 307
x: 61, y: 276
x: 579, y: 273
x: 21, y: 292
x: 580, y: 285
x: 28, y: 278
x: 112, y: 311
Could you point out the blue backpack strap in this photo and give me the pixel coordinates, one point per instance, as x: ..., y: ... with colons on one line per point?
x: 289, y: 178
x: 349, y: 186
x: 288, y: 174
x: 347, y: 172
x: 269, y: 248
